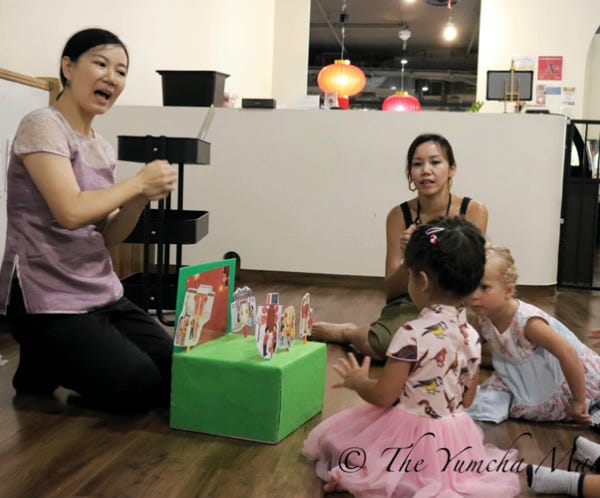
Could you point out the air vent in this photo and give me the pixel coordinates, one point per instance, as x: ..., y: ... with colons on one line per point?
x: 442, y: 3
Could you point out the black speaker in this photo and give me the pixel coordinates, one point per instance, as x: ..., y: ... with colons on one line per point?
x: 259, y: 103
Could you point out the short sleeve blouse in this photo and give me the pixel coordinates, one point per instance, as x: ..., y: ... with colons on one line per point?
x: 59, y: 270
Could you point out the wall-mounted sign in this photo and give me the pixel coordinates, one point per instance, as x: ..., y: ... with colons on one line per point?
x: 568, y: 95
x: 524, y: 62
x: 550, y: 67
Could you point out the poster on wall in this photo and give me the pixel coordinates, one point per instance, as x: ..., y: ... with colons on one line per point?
x: 523, y: 62
x: 568, y: 94
x: 550, y: 67
x: 540, y: 95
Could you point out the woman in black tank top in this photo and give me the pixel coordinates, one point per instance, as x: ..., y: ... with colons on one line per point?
x: 430, y: 169
x: 408, y: 221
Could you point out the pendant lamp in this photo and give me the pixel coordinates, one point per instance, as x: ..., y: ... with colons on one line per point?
x: 401, y: 101
x: 341, y: 77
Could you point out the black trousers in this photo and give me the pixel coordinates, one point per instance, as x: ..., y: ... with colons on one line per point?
x: 118, y: 358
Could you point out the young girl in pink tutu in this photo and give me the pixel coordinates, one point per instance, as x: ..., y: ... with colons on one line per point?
x: 413, y: 438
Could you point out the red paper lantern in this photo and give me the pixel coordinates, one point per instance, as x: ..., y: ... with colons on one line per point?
x: 401, y: 101
x: 342, y: 78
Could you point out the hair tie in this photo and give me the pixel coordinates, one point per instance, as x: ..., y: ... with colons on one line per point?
x: 432, y: 232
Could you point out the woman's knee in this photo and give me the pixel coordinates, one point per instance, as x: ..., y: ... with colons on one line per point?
x: 135, y: 387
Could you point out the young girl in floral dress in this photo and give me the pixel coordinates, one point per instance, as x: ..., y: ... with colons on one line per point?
x: 549, y: 373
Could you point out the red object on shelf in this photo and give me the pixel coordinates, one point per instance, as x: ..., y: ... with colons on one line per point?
x: 401, y: 101
x: 343, y: 102
x: 342, y: 78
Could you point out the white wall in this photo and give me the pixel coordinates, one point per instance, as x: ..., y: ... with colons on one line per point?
x: 308, y: 191
x: 236, y: 37
x: 290, y: 51
x: 537, y: 28
x: 591, y: 108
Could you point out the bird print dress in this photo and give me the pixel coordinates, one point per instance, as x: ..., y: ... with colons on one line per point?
x: 425, y: 445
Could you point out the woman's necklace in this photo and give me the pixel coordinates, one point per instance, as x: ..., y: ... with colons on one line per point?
x: 418, y: 217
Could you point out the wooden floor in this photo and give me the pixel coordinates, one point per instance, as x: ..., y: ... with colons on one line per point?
x: 50, y: 448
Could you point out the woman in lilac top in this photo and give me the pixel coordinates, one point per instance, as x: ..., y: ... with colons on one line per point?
x: 63, y: 301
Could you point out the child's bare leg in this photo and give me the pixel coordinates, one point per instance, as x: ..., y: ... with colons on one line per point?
x: 345, y: 333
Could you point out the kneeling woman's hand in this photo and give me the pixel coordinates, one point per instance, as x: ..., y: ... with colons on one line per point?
x: 158, y: 178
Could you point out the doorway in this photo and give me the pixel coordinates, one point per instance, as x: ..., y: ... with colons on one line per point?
x: 579, y: 250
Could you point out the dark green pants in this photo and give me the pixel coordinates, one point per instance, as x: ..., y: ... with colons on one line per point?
x: 395, y: 313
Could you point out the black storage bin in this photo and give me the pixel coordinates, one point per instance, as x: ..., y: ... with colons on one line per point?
x: 193, y: 88
x: 181, y: 227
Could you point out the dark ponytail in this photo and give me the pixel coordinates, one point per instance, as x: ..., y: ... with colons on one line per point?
x: 451, y: 251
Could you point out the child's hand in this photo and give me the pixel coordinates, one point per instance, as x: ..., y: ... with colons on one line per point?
x: 578, y: 411
x: 350, y: 370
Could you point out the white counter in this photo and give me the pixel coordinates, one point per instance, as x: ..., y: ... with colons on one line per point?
x: 309, y: 190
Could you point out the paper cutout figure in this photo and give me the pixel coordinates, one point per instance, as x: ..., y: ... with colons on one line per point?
x: 183, y: 322
x: 306, y: 317
x: 204, y: 295
x: 243, y: 310
x: 268, y: 326
x: 195, y: 313
x: 288, y: 328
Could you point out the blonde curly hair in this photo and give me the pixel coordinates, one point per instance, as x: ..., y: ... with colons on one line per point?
x: 504, y: 261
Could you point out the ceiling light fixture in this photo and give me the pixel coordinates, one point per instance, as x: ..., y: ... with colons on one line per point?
x: 404, y: 34
x: 450, y: 31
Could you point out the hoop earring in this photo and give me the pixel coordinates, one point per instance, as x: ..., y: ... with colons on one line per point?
x: 411, y: 186
x: 449, y: 183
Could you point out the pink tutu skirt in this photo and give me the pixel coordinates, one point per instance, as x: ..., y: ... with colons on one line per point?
x: 388, y: 452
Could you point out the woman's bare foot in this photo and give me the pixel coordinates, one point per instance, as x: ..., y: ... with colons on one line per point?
x: 332, y: 486
x: 345, y: 333
x: 333, y: 332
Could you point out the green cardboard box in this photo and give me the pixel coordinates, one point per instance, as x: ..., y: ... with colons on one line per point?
x: 225, y: 387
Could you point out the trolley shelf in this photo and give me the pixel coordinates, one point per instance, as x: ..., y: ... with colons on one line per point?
x: 181, y: 227
x: 133, y: 286
x: 164, y: 227
x: 173, y: 149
